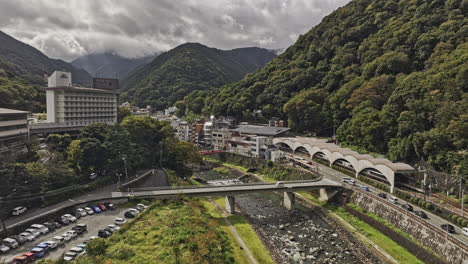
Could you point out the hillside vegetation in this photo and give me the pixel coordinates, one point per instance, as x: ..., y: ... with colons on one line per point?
x: 17, y: 93
x: 189, y: 67
x: 391, y: 75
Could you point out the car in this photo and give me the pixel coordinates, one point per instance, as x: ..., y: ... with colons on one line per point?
x: 448, y: 227
x: 279, y: 184
x: 89, y: 211
x: 364, y: 188
x: 18, y: 210
x: 49, y: 226
x: 4, y: 249
x: 393, y: 199
x: 76, y: 215
x: 66, y: 236
x: 20, y: 260
x: 62, y: 221
x: 72, y: 233
x: 136, y: 211
x: 110, y: 229
x: 120, y: 221
x: 81, y: 212
x: 21, y: 240
x: 78, y: 250
x: 113, y: 227
x: 141, y: 207
x: 39, y: 252
x: 110, y: 206
x: 59, y: 239
x: 408, y: 207
x: 45, y: 246
x: 27, y: 236
x: 70, y: 217
x: 96, y: 209
x: 83, y: 246
x: 53, y: 244
x: 382, y: 195
x: 130, y: 214
x: 80, y: 228
x: 104, y: 233
x: 102, y: 207
x: 421, y: 214
x: 69, y: 256
x: 33, y: 232
x: 349, y: 180
x: 42, y: 229
x: 57, y: 224
x: 31, y: 256
x: 93, y: 237
x: 10, y: 242
x: 93, y: 176
x: 465, y: 231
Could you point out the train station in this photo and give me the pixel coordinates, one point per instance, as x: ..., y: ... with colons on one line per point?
x: 379, y: 169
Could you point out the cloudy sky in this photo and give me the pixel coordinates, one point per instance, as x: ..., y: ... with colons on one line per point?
x: 67, y: 29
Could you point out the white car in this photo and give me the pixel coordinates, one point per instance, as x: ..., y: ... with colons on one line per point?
x: 52, y: 243
x: 280, y: 184
x: 41, y: 228
x: 4, y: 249
x: 89, y: 211
x: 33, y: 232
x: 69, y: 256
x: 66, y: 236
x: 465, y: 231
x: 59, y: 239
x: 81, y: 211
x: 19, y: 210
x: 393, y: 199
x: 83, y: 246
x: 120, y: 221
x: 141, y: 207
x: 78, y: 250
x: 134, y: 210
x: 114, y: 227
x: 93, y: 237
x: 27, y: 236
x: 72, y: 233
x: 10, y: 242
x: 70, y: 217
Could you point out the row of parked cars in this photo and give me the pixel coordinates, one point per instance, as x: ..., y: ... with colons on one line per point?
x: 130, y: 213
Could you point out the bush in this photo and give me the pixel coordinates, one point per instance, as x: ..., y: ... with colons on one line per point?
x: 429, y: 206
x: 454, y: 217
x: 438, y: 210
x: 465, y: 223
x: 460, y: 220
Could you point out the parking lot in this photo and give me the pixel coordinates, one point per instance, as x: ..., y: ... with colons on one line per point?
x: 94, y: 223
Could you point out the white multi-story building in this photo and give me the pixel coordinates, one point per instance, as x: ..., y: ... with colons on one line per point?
x: 79, y: 106
x: 14, y: 131
x: 184, y: 131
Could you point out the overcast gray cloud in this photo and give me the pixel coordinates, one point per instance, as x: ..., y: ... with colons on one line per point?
x: 134, y: 28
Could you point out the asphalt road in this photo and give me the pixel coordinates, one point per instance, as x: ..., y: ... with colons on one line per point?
x: 94, y: 222
x: 334, y: 175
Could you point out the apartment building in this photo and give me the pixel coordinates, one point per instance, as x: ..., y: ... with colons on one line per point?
x: 184, y: 131
x: 14, y: 131
x: 80, y: 106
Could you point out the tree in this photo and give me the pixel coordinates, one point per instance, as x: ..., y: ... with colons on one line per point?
x: 122, y: 113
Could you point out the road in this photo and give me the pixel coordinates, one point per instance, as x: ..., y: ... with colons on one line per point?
x: 94, y: 223
x: 337, y: 176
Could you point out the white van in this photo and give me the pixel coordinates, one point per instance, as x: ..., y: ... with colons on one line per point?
x: 42, y: 229
x: 393, y: 199
x: 465, y: 231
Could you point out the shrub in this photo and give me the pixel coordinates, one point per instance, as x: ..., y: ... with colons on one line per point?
x: 438, y: 210
x: 465, y: 223
x: 460, y: 220
x: 429, y: 206
x: 454, y: 217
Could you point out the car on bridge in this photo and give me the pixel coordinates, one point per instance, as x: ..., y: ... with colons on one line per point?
x: 408, y: 207
x: 465, y: 231
x: 421, y: 214
x: 279, y: 184
x: 448, y: 228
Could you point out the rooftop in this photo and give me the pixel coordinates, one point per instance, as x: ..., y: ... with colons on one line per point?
x: 6, y: 111
x: 260, y: 130
x: 81, y: 89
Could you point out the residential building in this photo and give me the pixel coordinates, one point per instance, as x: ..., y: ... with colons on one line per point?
x: 184, y: 131
x: 14, y: 131
x: 170, y: 111
x: 80, y: 106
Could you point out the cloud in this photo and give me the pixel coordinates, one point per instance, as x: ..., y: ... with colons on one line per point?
x: 68, y: 29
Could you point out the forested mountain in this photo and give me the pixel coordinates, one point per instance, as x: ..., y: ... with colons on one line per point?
x: 392, y: 75
x: 110, y: 65
x: 189, y: 67
x: 22, y: 70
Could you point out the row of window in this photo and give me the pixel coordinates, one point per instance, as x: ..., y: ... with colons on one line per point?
x: 9, y: 128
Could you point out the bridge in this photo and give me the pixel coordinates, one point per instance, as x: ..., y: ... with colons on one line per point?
x: 325, y: 186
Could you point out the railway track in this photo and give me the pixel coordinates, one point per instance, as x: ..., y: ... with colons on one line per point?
x: 447, y: 201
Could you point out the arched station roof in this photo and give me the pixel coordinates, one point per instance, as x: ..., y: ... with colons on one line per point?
x: 334, y: 152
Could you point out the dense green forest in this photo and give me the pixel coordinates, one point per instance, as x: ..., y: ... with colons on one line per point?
x: 22, y: 67
x: 186, y: 68
x: 391, y: 75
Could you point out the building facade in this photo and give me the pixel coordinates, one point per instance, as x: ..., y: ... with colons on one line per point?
x: 79, y: 106
x: 14, y: 131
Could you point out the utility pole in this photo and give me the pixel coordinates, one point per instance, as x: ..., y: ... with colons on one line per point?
x: 424, y: 181
x: 125, y: 164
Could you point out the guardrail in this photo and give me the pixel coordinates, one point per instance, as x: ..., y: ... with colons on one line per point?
x: 431, y: 226
x: 137, y: 178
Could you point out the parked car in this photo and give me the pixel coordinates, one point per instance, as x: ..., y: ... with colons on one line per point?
x: 89, y: 211
x: 102, y: 207
x: 33, y: 232
x: 141, y: 207
x: 50, y: 226
x: 96, y: 209
x: 10, y: 242
x: 80, y: 228
x: 448, y: 227
x: 120, y: 221
x: 19, y: 210
x: 78, y: 250
x: 421, y: 214
x: 53, y: 244
x: 59, y: 239
x: 72, y: 233
x: 113, y: 227
x: 136, y: 211
x: 382, y: 195
x: 110, y: 206
x: 66, y: 236
x: 45, y: 246
x: 20, y: 260
x: 393, y: 199
x: 4, y: 249
x: 104, y: 233
x: 62, y: 221
x: 21, y: 240
x: 130, y: 214
x: 93, y: 176
x: 82, y: 245
x: 27, y: 236
x: 57, y: 224
x: 465, y: 231
x: 31, y: 256
x: 70, y: 217
x: 364, y: 188
x: 408, y: 207
x: 110, y: 229
x: 42, y: 229
x: 39, y: 252
x: 69, y: 256
x: 81, y: 212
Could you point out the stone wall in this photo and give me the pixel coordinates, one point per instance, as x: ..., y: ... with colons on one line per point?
x: 430, y: 236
